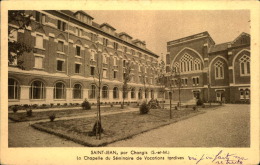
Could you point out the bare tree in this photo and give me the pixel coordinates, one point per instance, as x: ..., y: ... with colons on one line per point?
x: 178, y: 82
x: 126, y: 79
x: 162, y: 79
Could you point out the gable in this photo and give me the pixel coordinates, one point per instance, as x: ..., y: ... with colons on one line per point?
x: 242, y: 39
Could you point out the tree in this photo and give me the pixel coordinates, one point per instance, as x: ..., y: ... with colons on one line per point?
x: 126, y: 78
x: 17, y: 48
x: 161, y: 78
x: 177, y: 77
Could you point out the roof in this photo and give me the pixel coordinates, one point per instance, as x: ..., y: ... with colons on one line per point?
x: 137, y: 40
x: 106, y: 24
x: 83, y: 12
x: 124, y: 33
x: 218, y: 47
x: 68, y: 12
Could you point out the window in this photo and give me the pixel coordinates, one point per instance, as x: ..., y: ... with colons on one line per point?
x: 105, y: 41
x: 92, y: 70
x: 92, y: 93
x: 104, y: 73
x: 38, y: 62
x: 115, y: 93
x: 247, y: 94
x: 104, y: 59
x: 146, y: 94
x: 219, y: 70
x: 59, y: 91
x: 115, y: 61
x: 124, y: 63
x: 60, y: 65
x: 197, y: 64
x: 139, y: 68
x: 152, y: 94
x: 92, y: 55
x: 186, y: 63
x: 115, y: 45
x: 125, y: 49
x: 92, y: 37
x: 78, y: 50
x: 140, y: 94
x: 77, y: 91
x: 61, y: 25
x: 132, y: 93
x: 13, y: 89
x: 37, y: 90
x: 77, y: 68
x: 115, y: 74
x: 132, y: 52
x: 104, y: 92
x: 244, y: 94
x: 241, y: 94
x: 244, y: 65
x: 197, y: 80
x: 61, y: 46
x: 79, y: 32
x: 39, y: 41
x: 184, y: 81
x: 37, y: 16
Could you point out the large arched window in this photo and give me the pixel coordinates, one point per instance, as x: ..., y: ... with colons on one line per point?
x: 115, y: 93
x: 132, y: 93
x: 37, y: 90
x: 13, y: 89
x: 92, y: 93
x: 197, y: 64
x: 219, y: 70
x: 104, y: 92
x: 186, y: 62
x: 244, y: 65
x: 77, y: 91
x: 59, y: 91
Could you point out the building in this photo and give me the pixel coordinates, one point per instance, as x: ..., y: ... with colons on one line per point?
x: 209, y: 71
x: 68, y: 50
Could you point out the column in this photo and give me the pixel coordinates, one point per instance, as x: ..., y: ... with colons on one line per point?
x: 49, y: 95
x: 69, y: 94
x: 85, y: 94
x: 24, y: 95
x: 110, y: 95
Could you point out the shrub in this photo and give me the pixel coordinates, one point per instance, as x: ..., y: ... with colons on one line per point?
x: 52, y: 117
x: 111, y: 105
x: 15, y: 108
x: 58, y: 104
x: 44, y: 105
x: 86, y: 105
x: 51, y: 104
x: 25, y: 106
x: 35, y: 106
x: 65, y: 104
x: 144, y: 108
x: 194, y: 108
x: 29, y: 112
x: 199, y: 102
x: 71, y: 104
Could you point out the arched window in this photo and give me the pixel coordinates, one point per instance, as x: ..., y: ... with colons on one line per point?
x: 176, y: 67
x: 219, y: 70
x: 115, y: 93
x: 197, y: 65
x: 59, y: 91
x: 132, y: 93
x: 37, y: 90
x: 77, y: 91
x: 92, y: 93
x: 167, y: 69
x: 92, y: 55
x: 140, y: 94
x: 13, y: 89
x: 104, y: 92
x: 247, y: 94
x: 244, y: 65
x: 146, y: 93
x: 186, y: 63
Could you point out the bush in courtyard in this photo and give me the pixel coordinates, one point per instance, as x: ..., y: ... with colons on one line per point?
x: 65, y: 104
x: 86, y: 105
x: 35, y: 106
x: 144, y: 108
x: 29, y: 112
x: 200, y: 102
x: 25, y: 106
x: 15, y: 108
x: 51, y: 104
x: 52, y: 117
x: 194, y: 108
x: 111, y: 105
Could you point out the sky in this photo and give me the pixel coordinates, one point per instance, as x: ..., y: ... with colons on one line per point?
x: 157, y: 27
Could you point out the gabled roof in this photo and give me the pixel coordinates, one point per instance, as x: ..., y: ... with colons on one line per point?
x: 137, y: 40
x: 106, y: 24
x: 124, y: 33
x: 243, y: 33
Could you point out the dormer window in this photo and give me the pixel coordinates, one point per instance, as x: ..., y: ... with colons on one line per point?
x: 84, y: 17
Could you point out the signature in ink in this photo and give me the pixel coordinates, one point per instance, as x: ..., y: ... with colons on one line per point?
x: 219, y: 158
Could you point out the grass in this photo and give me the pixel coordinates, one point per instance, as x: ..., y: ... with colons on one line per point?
x: 21, y: 117
x: 116, y: 127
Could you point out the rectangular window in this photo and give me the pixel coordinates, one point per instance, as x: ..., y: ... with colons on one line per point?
x: 124, y: 63
x: 104, y: 73
x: 115, y: 61
x: 197, y: 80
x: 133, y: 52
x: 186, y: 81
x: 78, y: 50
x: 38, y: 62
x: 115, y: 45
x: 43, y: 18
x: 77, y: 68
x: 61, y: 25
x: 37, y: 16
x: 193, y: 81
x: 60, y: 65
x: 39, y: 41
x: 92, y: 70
x: 61, y: 46
x: 105, y: 41
x: 115, y: 74
x: 242, y: 94
x: 104, y: 59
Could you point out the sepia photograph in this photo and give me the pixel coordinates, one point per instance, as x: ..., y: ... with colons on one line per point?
x: 135, y: 79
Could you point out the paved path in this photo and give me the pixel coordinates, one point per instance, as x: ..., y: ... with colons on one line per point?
x: 228, y: 126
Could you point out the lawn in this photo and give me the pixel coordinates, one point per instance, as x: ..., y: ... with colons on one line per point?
x: 116, y: 127
x: 37, y: 115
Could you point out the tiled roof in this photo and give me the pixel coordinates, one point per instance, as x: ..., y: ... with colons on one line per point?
x: 218, y: 47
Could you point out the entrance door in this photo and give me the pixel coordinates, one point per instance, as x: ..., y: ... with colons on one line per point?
x: 196, y: 94
x: 220, y: 97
